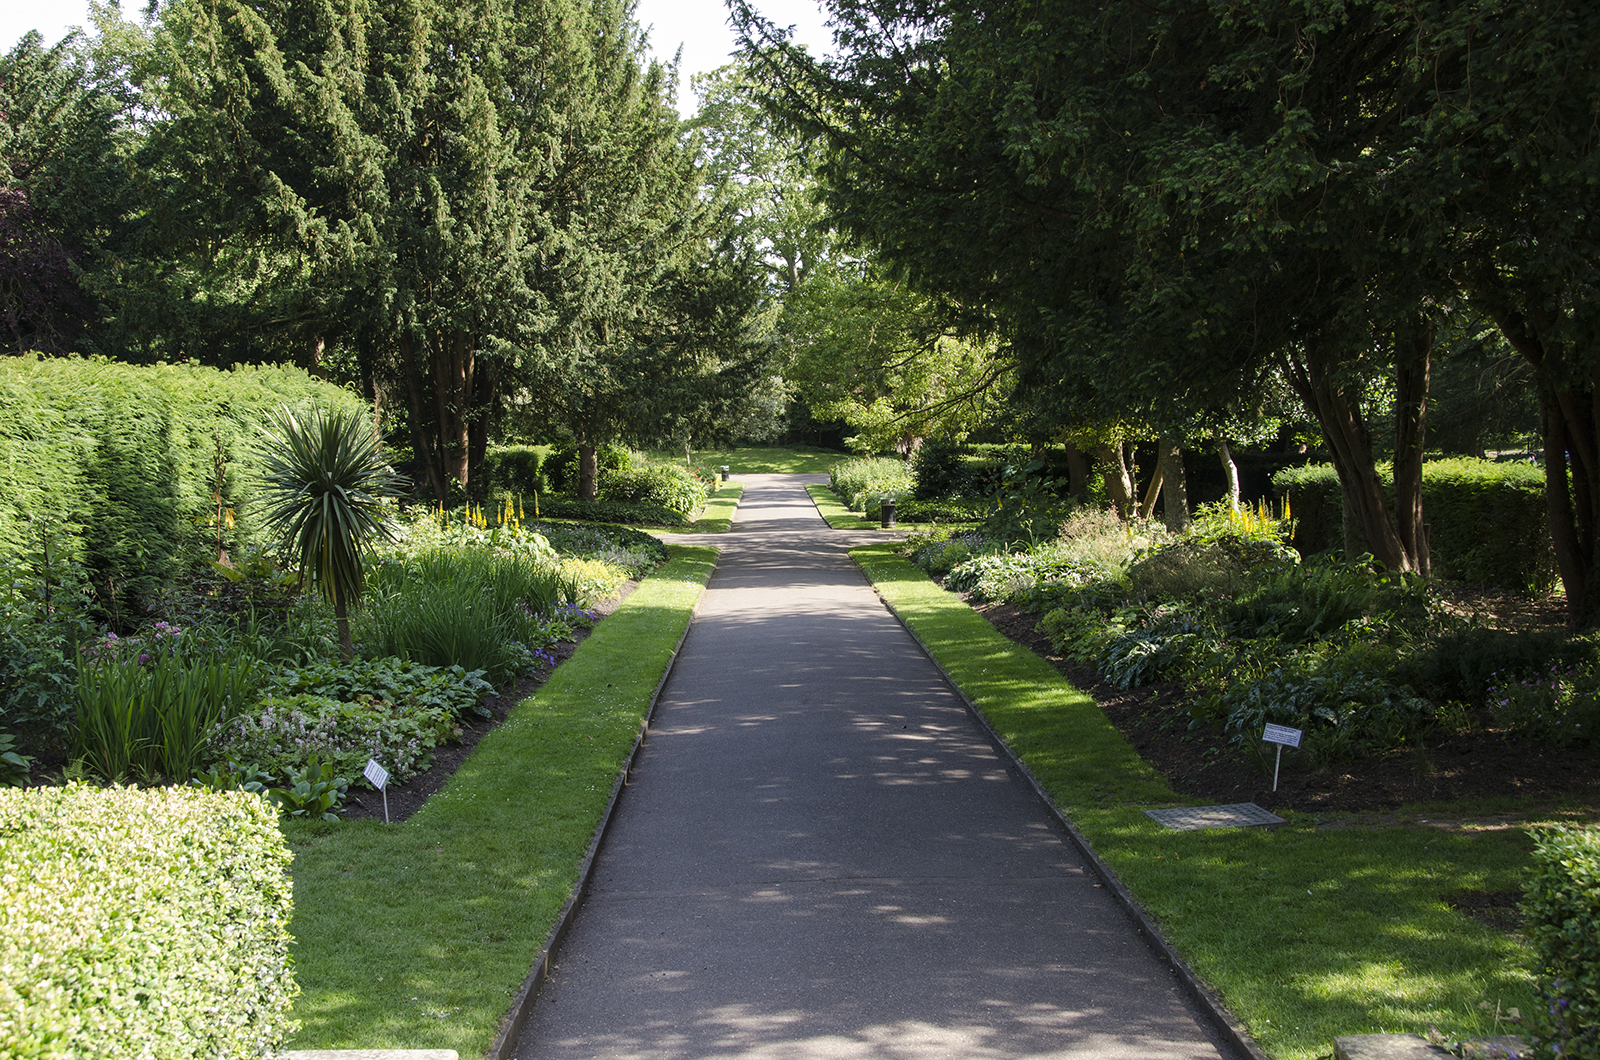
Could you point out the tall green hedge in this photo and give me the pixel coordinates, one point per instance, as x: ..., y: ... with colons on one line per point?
x: 116, y: 463
x: 142, y: 924
x: 1488, y: 519
x: 1563, y: 910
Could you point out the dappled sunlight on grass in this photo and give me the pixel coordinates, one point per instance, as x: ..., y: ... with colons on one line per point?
x: 1306, y: 932
x: 386, y: 916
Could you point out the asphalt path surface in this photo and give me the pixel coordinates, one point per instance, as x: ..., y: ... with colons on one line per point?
x: 821, y: 856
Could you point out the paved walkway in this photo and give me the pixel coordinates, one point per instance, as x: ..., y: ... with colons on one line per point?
x: 821, y: 857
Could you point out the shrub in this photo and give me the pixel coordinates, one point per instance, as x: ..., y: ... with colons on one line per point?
x: 855, y: 480
x: 1554, y: 703
x: 602, y: 511
x: 622, y: 546
x: 1461, y: 664
x: 1563, y: 922
x: 952, y: 510
x: 1488, y: 519
x: 670, y: 486
x: 143, y: 923
x: 517, y: 470
x: 940, y: 470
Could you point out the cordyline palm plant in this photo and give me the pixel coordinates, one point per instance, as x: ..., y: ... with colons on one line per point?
x: 325, y: 482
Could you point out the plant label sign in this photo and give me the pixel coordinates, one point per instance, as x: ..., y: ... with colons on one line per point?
x: 1282, y: 735
x: 379, y: 776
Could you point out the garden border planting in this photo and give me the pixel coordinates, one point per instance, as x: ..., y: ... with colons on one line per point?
x: 833, y: 511
x: 492, y: 861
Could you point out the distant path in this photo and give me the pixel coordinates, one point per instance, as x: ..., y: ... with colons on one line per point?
x: 821, y: 856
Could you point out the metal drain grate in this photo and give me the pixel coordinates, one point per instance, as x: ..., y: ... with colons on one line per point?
x: 1193, y: 818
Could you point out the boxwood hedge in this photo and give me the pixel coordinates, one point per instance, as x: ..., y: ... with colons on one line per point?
x: 1488, y: 519
x: 117, y: 464
x: 142, y: 924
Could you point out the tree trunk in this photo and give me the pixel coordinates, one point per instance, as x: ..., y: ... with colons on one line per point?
x: 1413, y: 362
x: 453, y: 370
x: 1153, y: 491
x: 423, y: 441
x: 341, y: 619
x: 588, y: 471
x: 1077, y: 473
x: 1174, y: 486
x: 1311, y: 374
x: 1571, y: 471
x: 1230, y: 472
x: 1118, y: 483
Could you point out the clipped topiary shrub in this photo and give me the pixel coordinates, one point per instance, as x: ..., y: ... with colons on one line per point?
x: 1488, y: 519
x: 143, y: 923
x: 1563, y: 917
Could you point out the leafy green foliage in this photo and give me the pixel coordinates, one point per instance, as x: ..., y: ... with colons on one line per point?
x: 326, y: 483
x: 940, y: 469
x: 518, y: 470
x: 856, y: 481
x: 119, y: 465
x: 145, y: 710
x: 407, y: 684
x: 670, y: 486
x: 1553, y: 703
x: 562, y: 465
x: 118, y: 896
x: 283, y: 729
x: 1563, y: 910
x: 14, y: 765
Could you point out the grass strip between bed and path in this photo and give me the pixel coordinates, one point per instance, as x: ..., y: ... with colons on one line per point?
x: 418, y: 935
x: 716, y: 517
x: 833, y: 511
x: 1307, y: 932
x: 762, y: 459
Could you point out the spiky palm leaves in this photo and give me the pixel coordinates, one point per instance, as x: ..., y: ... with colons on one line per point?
x: 325, y: 482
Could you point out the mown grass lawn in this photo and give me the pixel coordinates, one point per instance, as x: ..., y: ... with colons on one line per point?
x: 418, y: 935
x: 1307, y: 932
x: 833, y: 511
x: 762, y: 459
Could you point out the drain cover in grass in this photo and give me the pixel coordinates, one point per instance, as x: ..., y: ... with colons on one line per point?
x: 1191, y: 818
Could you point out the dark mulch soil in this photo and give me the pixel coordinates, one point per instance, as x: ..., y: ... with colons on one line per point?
x: 406, y: 799
x: 1155, y: 720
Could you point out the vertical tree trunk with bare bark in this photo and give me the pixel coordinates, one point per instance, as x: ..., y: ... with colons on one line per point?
x: 1119, y: 484
x: 1174, y: 486
x: 1413, y: 365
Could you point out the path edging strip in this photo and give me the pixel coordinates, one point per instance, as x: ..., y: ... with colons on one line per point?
x: 1223, y: 1021
x: 516, y: 1018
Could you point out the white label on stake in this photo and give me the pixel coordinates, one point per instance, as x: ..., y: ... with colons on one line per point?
x: 1282, y: 734
x: 376, y: 773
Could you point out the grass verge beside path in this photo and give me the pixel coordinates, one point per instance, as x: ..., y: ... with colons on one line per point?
x: 763, y: 459
x: 1306, y: 932
x: 717, y: 514
x: 833, y: 511
x: 418, y: 935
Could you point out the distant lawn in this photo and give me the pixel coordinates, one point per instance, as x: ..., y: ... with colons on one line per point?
x: 833, y: 511
x: 418, y: 935
x: 1307, y: 931
x: 760, y: 459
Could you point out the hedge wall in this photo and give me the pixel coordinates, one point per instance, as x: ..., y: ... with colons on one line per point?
x: 1563, y: 911
x: 117, y: 463
x: 1488, y: 519
x: 142, y: 924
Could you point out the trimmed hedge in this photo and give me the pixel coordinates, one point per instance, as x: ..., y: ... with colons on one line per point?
x: 117, y: 462
x: 1488, y: 519
x: 142, y: 923
x: 1563, y: 910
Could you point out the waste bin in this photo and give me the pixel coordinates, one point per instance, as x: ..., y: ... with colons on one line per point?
x: 724, y: 472
x: 886, y: 511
